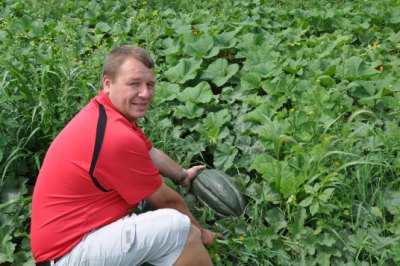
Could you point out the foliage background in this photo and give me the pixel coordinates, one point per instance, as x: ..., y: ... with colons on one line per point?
x: 297, y: 100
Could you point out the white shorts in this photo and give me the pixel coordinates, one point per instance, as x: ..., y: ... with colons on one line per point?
x: 156, y: 237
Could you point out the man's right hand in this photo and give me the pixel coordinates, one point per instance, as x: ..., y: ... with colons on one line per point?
x: 208, y: 236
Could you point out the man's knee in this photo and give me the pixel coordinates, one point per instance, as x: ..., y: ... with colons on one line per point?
x: 194, y: 234
x: 194, y: 252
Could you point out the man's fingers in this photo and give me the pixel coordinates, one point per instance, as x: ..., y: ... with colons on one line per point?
x: 199, y: 167
x: 219, y: 236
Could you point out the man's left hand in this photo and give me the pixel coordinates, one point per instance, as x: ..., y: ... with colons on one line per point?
x: 191, y: 174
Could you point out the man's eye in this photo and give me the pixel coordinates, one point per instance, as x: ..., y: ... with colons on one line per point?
x: 134, y: 84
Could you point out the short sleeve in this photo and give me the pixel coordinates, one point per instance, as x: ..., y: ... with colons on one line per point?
x: 125, y: 165
x: 147, y: 142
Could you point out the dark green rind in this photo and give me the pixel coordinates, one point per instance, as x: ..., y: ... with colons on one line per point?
x: 211, y: 200
x: 216, y: 190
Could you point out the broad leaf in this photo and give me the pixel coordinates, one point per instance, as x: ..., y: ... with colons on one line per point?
x: 217, y: 119
x: 189, y: 110
x: 356, y: 68
x: 224, y: 155
x: 172, y: 47
x: 203, y: 47
x: 200, y: 94
x: 297, y: 226
x: 7, y: 247
x: 250, y: 81
x: 276, y: 217
x: 227, y: 39
x: 166, y: 92
x: 219, y: 72
x: 185, y: 70
x: 103, y: 27
x: 262, y: 61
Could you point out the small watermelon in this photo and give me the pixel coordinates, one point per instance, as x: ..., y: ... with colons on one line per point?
x: 217, y: 190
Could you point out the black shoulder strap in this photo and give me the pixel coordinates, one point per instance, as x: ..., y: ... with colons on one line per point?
x: 101, y: 128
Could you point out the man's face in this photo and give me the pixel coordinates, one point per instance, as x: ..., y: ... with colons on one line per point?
x: 132, y: 89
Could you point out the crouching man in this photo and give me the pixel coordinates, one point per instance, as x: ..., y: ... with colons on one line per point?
x: 99, y: 167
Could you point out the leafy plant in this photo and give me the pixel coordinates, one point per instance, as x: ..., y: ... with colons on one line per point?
x: 297, y: 100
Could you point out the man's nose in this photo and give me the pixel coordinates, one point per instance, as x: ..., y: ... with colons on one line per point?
x: 144, y: 91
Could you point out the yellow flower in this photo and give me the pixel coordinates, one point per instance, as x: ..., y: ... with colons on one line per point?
x: 318, y: 81
x: 292, y: 110
x: 292, y: 200
x: 311, y: 113
x: 217, y: 257
x: 195, y: 32
x: 381, y: 68
x: 337, y: 164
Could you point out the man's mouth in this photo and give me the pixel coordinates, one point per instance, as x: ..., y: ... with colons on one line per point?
x: 140, y: 105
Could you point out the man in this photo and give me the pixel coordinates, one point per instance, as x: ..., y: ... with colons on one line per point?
x: 99, y: 168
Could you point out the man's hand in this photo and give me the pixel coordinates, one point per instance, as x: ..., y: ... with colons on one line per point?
x: 191, y: 174
x: 208, y: 236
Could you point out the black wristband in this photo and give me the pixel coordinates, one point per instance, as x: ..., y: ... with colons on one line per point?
x: 183, y: 176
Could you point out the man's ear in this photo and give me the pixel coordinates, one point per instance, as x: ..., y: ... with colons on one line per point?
x: 106, y: 84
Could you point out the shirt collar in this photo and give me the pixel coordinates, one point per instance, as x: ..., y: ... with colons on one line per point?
x: 103, y: 99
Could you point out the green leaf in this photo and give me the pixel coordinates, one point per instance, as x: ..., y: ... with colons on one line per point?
x: 190, y: 110
x: 259, y: 114
x: 219, y: 72
x: 293, y: 67
x: 342, y: 40
x: 261, y: 60
x: 323, y: 258
x: 326, y: 194
x: 200, y: 94
x: 217, y: 119
x: 265, y: 110
x: 259, y: 162
x: 356, y: 68
x: 276, y: 217
x: 227, y: 39
x: 224, y: 155
x: 166, y: 91
x: 203, y: 47
x: 392, y: 202
x: 314, y: 208
x: 172, y: 47
x: 36, y: 29
x: 326, y: 240
x: 3, y: 34
x: 103, y: 27
x: 306, y: 202
x: 279, y: 85
x: 298, y: 221
x: 376, y: 212
x: 185, y: 70
x: 250, y: 81
x: 7, y: 247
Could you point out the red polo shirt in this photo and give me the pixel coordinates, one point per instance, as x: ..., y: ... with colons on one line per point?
x: 66, y: 203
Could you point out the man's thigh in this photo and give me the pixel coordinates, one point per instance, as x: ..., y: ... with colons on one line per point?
x: 156, y: 237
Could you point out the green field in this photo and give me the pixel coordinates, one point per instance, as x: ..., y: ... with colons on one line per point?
x: 298, y: 101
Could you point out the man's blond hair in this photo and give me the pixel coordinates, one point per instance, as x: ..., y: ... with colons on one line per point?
x: 117, y: 57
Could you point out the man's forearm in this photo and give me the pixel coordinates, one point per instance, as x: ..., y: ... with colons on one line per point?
x: 171, y: 199
x: 166, y: 166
